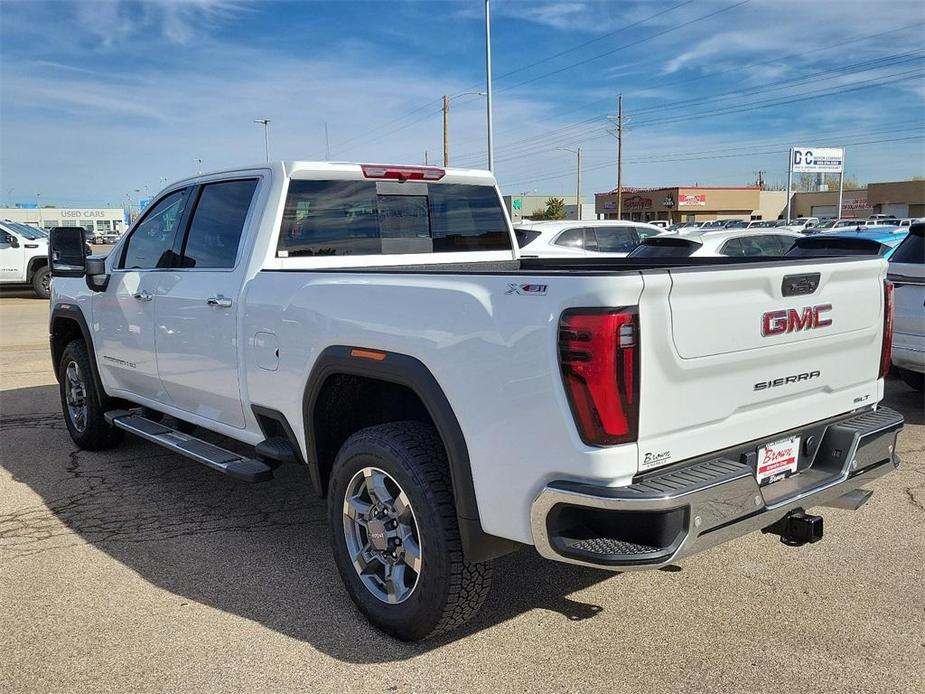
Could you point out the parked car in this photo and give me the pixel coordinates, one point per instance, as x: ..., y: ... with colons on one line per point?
x: 663, y: 223
x: 735, y: 243
x: 24, y: 257
x: 556, y: 239
x: 909, y: 221
x: 889, y: 236
x: 881, y: 218
x: 907, y: 272
x: 804, y: 225
x: 455, y: 401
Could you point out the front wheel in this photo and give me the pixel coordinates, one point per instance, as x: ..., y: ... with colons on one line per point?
x: 394, y: 533
x: 83, y: 400
x: 41, y: 282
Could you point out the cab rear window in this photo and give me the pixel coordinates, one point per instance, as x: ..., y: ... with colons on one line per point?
x: 324, y: 218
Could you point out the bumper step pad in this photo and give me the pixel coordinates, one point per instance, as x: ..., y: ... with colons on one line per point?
x: 668, y: 514
x: 225, y: 461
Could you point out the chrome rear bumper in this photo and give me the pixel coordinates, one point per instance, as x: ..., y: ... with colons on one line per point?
x: 664, y: 516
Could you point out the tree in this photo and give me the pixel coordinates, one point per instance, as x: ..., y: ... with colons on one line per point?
x: 555, y: 208
x: 804, y: 183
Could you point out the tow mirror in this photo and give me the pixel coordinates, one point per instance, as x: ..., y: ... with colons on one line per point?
x: 67, y: 252
x: 11, y: 240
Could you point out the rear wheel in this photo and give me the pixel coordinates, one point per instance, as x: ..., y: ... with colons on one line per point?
x: 83, y: 400
x: 913, y: 379
x: 394, y: 533
x: 41, y: 282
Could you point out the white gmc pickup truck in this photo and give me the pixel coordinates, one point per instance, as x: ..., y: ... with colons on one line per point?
x: 453, y: 401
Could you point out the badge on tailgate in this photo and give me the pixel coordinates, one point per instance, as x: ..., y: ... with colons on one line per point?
x: 777, y: 460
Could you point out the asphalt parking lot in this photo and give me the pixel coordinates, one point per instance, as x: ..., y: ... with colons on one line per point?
x: 136, y: 570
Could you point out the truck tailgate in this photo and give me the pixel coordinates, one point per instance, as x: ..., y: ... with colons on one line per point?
x: 734, y: 354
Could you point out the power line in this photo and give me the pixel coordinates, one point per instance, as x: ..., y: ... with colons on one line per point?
x: 628, y: 45
x: 608, y: 164
x: 852, y: 41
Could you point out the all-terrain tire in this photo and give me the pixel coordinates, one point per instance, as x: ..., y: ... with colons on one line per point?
x: 91, y: 432
x: 449, y: 589
x: 41, y: 282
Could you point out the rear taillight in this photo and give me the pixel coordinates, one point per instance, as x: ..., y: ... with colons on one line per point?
x: 886, y: 348
x: 599, y: 354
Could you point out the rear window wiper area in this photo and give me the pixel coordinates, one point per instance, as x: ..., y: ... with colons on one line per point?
x: 664, y: 247
x: 823, y: 246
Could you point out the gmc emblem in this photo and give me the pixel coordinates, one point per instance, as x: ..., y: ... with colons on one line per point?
x: 793, y: 320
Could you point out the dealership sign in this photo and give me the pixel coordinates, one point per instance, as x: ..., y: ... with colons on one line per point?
x: 699, y: 199
x: 817, y: 159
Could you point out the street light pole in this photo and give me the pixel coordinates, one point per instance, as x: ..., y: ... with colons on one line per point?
x: 38, y: 204
x: 199, y: 165
x: 266, y: 134
x: 491, y: 144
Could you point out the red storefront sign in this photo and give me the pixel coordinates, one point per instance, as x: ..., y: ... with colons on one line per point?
x: 698, y: 199
x: 637, y: 202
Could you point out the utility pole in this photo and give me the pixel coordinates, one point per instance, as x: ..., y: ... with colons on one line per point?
x: 759, y: 180
x: 198, y: 166
x: 327, y: 145
x: 491, y: 144
x: 266, y: 134
x: 620, y: 127
x: 446, y: 130
x: 620, y: 156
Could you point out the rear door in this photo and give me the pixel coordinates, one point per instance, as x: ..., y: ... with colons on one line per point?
x: 197, y: 305
x: 735, y: 353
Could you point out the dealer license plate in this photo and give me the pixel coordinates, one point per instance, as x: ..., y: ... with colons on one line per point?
x: 777, y: 460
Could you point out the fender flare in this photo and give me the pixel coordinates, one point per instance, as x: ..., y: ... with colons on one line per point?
x: 72, y: 313
x: 411, y: 373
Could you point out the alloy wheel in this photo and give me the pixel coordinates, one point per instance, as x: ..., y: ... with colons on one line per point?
x: 75, y: 393
x: 382, y: 537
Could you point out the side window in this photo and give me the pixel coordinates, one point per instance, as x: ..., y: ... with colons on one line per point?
x: 151, y: 243
x: 911, y: 249
x: 572, y: 238
x: 218, y: 220
x: 783, y: 244
x: 646, y: 232
x: 616, y: 239
x: 590, y: 240
x: 733, y: 248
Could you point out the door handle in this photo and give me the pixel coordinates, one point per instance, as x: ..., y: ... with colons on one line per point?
x: 219, y: 301
x: 142, y: 296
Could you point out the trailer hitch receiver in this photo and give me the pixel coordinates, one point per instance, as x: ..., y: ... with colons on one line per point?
x: 797, y: 528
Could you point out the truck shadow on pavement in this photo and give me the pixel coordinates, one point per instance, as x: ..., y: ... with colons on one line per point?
x: 258, y: 551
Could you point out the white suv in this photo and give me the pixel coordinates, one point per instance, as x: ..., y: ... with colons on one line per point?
x: 907, y: 272
x: 567, y: 239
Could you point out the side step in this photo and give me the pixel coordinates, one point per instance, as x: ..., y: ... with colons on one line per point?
x: 227, y: 462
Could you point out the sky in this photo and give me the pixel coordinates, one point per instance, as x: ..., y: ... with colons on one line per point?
x: 102, y: 101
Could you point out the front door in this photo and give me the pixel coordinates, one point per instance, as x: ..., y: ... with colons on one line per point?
x: 198, y: 303
x: 12, y: 257
x: 123, y: 323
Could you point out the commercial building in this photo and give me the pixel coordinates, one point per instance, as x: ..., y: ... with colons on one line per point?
x: 91, y: 219
x: 693, y: 203
x: 898, y: 198
x: 529, y: 205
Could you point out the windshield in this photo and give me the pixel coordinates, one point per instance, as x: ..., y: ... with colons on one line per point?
x: 30, y: 233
